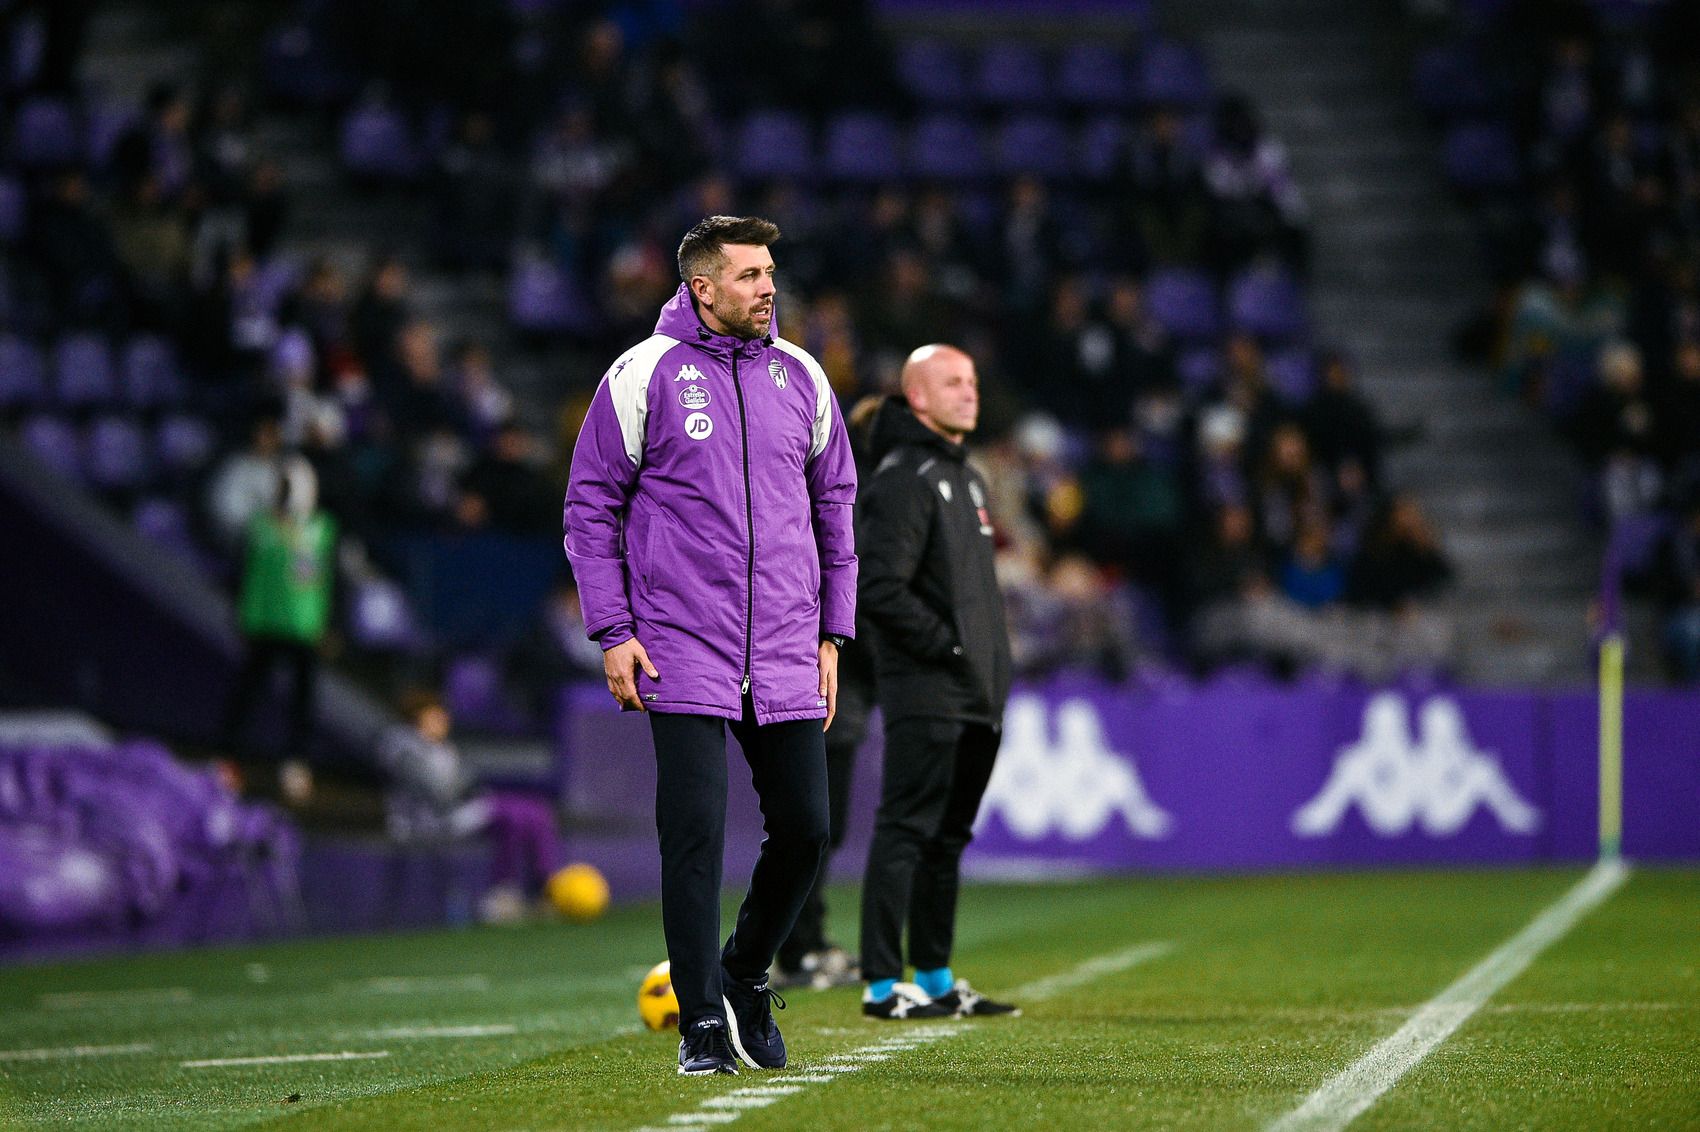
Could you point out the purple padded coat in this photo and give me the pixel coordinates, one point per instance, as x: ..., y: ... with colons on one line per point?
x: 709, y: 514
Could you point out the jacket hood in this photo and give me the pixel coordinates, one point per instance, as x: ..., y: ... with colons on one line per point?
x: 895, y: 424
x: 679, y: 320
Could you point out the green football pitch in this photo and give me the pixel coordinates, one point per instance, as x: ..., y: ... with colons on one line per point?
x: 1149, y: 1003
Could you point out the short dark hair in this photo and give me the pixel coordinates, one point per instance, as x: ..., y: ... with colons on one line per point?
x: 700, y: 251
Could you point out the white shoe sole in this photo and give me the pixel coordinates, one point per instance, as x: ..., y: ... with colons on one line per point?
x: 737, y: 1039
x: 730, y: 1071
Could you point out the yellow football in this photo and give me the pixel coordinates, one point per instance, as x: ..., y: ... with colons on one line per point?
x: 658, y: 1006
x: 579, y: 892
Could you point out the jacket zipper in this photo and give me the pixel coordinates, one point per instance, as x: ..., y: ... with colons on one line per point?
x: 749, y: 526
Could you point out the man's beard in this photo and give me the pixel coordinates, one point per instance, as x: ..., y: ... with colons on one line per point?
x: 739, y: 323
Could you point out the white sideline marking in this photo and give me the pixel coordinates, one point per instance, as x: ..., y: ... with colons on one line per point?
x: 283, y: 1059
x: 1343, y: 1097
x: 726, y: 1108
x: 72, y: 1051
x: 151, y: 996
x: 1051, y: 985
x: 499, y: 1030
x: 422, y: 984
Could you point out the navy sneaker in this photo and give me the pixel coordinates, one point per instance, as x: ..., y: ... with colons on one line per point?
x: 749, y: 1009
x: 705, y: 1049
x: 964, y: 1001
x: 905, y: 1001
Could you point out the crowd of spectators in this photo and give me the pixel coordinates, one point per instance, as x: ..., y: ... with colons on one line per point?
x: 1182, y: 479
x: 1593, y: 229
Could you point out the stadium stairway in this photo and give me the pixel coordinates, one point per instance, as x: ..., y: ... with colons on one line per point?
x: 1395, y: 269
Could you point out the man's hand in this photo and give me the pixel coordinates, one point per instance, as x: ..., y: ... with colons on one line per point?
x: 829, y: 680
x: 620, y: 665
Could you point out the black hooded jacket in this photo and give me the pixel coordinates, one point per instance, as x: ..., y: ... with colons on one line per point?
x: 928, y: 585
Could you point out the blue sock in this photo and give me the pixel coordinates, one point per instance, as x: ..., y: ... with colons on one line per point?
x: 936, y: 982
x: 880, y: 989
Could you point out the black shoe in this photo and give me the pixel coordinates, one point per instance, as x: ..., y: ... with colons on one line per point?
x: 830, y: 966
x: 754, y: 1033
x: 705, y: 1049
x: 904, y: 1002
x: 965, y: 1002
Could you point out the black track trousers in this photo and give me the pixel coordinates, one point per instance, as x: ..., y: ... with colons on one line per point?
x: 788, y: 766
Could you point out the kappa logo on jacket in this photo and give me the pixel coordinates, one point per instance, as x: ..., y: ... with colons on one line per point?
x: 688, y: 372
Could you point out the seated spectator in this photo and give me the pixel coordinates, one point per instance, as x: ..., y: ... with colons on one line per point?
x: 1258, y: 208
x: 1401, y: 562
x: 433, y: 797
x: 555, y: 651
x: 1340, y: 422
x: 1313, y: 574
x: 503, y: 488
x: 1614, y: 427
x: 1290, y: 489
x: 1680, y: 569
x: 1132, y: 511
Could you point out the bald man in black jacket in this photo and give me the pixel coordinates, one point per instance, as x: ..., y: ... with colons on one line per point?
x: 929, y: 588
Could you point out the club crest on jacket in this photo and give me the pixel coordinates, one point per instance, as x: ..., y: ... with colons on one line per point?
x: 776, y: 371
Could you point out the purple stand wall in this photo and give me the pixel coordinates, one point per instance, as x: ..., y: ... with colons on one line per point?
x: 1224, y: 777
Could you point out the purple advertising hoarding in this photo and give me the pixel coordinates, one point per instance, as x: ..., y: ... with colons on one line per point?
x: 1093, y: 777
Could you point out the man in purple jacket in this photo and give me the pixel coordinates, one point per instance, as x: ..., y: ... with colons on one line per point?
x: 708, y: 523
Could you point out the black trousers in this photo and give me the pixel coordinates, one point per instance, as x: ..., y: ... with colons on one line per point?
x: 265, y: 654
x: 788, y: 767
x: 855, y: 703
x: 935, y: 773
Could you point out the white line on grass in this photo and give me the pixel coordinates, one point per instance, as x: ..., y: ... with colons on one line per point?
x: 421, y: 984
x: 1078, y: 976
x: 147, y: 996
x: 73, y: 1051
x: 1343, y: 1097
x: 284, y: 1059
x: 498, y: 1030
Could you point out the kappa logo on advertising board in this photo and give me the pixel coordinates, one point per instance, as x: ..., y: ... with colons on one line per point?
x: 1436, y: 780
x: 1073, y: 785
x: 777, y: 371
x: 693, y: 397
x: 688, y: 372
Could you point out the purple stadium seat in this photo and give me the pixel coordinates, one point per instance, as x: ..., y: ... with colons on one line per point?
x: 932, y: 71
x: 1033, y: 143
x: 165, y: 523
x: 1450, y: 81
x: 543, y: 299
x: 1292, y: 373
x: 1101, y: 147
x: 1173, y: 74
x: 14, y: 208
x: 150, y: 373
x: 474, y: 694
x: 380, y: 618
x: 774, y: 143
x: 377, y: 143
x: 1636, y: 541
x: 82, y: 372
x: 1184, y: 301
x: 1094, y: 74
x: 25, y: 52
x: 946, y: 147
x: 107, y: 123
x: 1199, y: 368
x: 44, y: 134
x: 183, y: 444
x: 115, y: 454
x: 1482, y: 157
x: 23, y: 374
x: 56, y: 444
x: 862, y: 147
x: 1269, y: 303
x: 1011, y: 73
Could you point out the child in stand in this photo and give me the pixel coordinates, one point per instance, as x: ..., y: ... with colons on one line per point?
x: 432, y: 797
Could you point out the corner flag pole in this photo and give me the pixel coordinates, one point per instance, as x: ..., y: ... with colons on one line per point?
x: 1611, y: 706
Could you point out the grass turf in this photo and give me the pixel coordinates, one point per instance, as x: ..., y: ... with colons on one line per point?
x: 1270, y: 985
